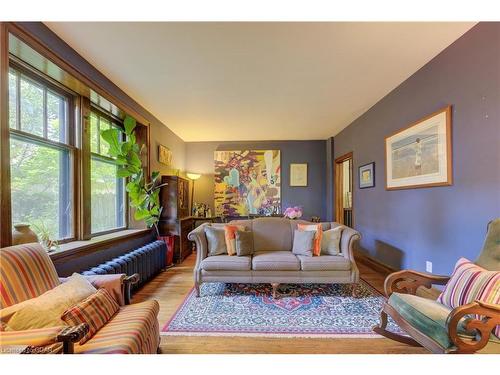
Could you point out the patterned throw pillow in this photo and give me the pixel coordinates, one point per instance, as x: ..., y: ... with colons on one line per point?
x: 95, y: 310
x: 317, y: 237
x: 230, y: 236
x: 469, y: 283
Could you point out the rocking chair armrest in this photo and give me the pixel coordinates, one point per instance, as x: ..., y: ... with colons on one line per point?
x: 480, y: 328
x: 69, y: 335
x: 408, y: 281
x: 127, y: 284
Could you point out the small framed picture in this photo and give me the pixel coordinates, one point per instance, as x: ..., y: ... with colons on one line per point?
x: 367, y: 175
x: 164, y: 155
x: 298, y: 174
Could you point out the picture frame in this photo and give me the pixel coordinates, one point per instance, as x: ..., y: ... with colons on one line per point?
x: 298, y: 174
x: 420, y: 155
x: 366, y: 175
x: 164, y: 155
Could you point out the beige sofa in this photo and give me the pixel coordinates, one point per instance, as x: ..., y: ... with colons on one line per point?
x: 273, y: 261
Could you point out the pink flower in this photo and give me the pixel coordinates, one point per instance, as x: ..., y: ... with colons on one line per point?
x: 293, y: 212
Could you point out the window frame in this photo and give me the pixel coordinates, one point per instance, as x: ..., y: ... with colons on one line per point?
x: 47, y: 85
x: 117, y: 123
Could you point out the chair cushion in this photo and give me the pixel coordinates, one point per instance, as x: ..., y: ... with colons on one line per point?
x: 275, y: 261
x: 226, y: 263
x: 427, y: 316
x: 96, y: 310
x: 324, y: 263
x: 133, y: 330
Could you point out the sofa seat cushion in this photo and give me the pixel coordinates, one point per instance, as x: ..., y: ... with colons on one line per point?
x: 275, y: 261
x: 324, y: 263
x: 226, y: 263
x: 133, y: 330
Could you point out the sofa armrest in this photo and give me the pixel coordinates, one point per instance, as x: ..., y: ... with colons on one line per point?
x: 481, y: 328
x: 408, y: 281
x: 198, y: 237
x: 118, y: 285
x: 41, y: 337
x: 347, y: 241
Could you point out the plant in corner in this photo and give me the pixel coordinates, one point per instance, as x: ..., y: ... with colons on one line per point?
x: 144, y: 195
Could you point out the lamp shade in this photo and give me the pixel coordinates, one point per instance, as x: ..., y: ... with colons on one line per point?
x: 193, y: 176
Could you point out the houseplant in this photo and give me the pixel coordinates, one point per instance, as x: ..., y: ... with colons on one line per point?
x: 144, y: 195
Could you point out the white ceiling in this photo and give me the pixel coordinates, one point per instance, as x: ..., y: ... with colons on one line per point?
x: 258, y: 81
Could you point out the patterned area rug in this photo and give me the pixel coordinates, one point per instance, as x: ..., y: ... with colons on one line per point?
x: 306, y: 310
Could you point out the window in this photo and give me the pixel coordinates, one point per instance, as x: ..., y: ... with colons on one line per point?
x: 40, y: 154
x: 107, y: 191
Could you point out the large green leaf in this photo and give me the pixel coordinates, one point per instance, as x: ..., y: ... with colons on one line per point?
x: 123, y: 172
x: 129, y: 123
x: 111, y: 136
x: 141, y: 214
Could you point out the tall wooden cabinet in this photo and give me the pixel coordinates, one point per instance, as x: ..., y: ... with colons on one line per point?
x: 175, y: 218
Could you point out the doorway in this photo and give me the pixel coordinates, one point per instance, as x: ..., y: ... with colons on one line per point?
x: 343, y: 190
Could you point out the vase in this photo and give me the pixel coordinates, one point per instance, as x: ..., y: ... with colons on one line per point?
x: 23, y: 234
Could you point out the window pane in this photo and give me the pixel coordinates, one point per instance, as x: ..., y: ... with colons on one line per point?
x: 12, y: 99
x: 107, y: 197
x: 104, y: 125
x: 31, y: 107
x: 94, y: 133
x: 40, y: 184
x: 56, y: 117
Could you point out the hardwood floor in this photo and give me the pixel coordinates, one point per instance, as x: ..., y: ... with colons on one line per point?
x: 170, y: 288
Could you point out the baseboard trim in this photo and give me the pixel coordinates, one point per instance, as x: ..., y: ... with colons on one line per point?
x: 378, y: 266
x: 373, y: 263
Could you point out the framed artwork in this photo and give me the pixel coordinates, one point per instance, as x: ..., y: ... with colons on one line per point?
x: 420, y: 155
x: 164, y: 155
x: 367, y: 175
x: 247, y: 182
x: 298, y: 174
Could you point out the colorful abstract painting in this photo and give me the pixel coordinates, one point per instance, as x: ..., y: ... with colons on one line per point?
x: 247, y: 182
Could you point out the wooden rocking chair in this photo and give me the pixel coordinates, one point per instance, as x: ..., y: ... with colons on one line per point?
x: 434, y: 326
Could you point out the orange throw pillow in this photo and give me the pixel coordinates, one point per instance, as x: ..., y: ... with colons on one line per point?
x: 230, y: 236
x: 317, y: 237
x: 96, y: 310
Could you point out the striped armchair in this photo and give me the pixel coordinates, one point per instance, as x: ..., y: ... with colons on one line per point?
x: 26, y: 272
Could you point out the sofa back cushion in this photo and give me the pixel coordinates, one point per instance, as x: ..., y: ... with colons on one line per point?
x: 272, y: 234
x: 26, y: 272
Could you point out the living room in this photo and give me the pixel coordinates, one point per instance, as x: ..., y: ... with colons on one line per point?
x: 250, y: 187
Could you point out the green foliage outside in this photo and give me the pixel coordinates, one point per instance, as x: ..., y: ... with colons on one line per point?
x: 144, y: 196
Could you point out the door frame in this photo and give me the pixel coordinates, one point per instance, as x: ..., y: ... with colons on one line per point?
x: 337, y: 187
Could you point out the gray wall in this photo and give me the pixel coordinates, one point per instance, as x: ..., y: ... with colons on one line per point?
x: 404, y: 228
x: 200, y: 159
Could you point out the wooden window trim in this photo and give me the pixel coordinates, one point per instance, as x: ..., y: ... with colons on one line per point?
x: 79, y: 107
